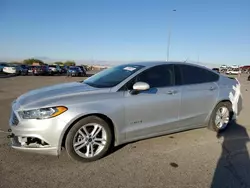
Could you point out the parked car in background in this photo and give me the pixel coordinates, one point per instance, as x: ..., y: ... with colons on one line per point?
x: 41, y: 70
x: 83, y: 69
x: 2, y: 65
x: 23, y: 69
x: 75, y: 71
x: 121, y: 104
x: 64, y: 69
x: 12, y: 69
x: 55, y: 69
x: 233, y: 71
x: 223, y: 70
x: 30, y: 69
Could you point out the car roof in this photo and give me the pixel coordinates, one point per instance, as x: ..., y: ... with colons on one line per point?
x: 155, y: 63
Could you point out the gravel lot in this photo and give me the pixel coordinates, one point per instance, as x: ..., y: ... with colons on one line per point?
x: 197, y: 158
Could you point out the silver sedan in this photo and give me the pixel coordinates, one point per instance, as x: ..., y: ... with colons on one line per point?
x: 121, y: 104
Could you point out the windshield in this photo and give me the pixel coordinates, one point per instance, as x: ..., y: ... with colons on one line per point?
x: 112, y: 76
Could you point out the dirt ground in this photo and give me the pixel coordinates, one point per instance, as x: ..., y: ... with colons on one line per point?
x: 196, y: 158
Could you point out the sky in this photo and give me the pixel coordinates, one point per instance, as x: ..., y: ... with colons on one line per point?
x: 210, y: 31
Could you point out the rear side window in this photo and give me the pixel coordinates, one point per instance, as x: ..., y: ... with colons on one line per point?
x: 196, y: 75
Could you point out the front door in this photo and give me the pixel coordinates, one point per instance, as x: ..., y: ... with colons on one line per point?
x: 155, y: 111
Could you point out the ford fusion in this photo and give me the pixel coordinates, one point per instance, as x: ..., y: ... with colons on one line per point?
x: 118, y: 105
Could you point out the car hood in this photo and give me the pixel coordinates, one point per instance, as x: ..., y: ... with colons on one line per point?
x: 56, y: 92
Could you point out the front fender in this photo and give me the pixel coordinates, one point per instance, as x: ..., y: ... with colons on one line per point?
x: 115, y: 113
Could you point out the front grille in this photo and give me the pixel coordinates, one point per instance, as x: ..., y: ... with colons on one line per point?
x: 14, y: 119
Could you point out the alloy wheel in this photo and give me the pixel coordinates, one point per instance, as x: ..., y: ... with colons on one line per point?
x: 90, y: 140
x: 222, y: 117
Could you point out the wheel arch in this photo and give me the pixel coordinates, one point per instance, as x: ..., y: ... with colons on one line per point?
x: 224, y: 100
x: 210, y: 114
x: 220, y: 101
x: 100, y: 115
x: 230, y: 102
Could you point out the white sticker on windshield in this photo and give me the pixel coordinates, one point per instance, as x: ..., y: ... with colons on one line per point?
x: 129, y: 68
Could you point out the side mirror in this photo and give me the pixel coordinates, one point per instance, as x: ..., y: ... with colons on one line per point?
x: 139, y: 86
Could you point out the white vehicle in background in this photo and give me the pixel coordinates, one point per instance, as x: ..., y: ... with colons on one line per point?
x: 55, y: 69
x: 11, y: 69
x: 2, y: 65
x: 223, y: 67
x: 17, y: 69
x: 234, y: 69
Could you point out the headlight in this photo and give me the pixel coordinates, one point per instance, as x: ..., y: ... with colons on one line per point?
x: 42, y: 113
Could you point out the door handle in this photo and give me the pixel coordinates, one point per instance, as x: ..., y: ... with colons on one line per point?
x: 212, y: 88
x: 171, y: 92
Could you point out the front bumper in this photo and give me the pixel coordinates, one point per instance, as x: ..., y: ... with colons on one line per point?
x: 36, y: 136
x: 17, y: 144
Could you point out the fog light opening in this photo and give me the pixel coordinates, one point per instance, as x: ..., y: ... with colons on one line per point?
x: 32, y: 142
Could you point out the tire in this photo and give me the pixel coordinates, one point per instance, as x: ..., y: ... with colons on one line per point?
x: 101, y: 150
x: 212, y: 122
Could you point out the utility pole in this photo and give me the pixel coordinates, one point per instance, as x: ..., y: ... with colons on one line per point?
x: 169, y: 37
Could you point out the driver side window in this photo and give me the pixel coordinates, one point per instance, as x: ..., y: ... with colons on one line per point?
x: 158, y: 76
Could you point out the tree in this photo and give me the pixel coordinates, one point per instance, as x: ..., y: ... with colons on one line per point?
x: 32, y: 60
x: 69, y: 63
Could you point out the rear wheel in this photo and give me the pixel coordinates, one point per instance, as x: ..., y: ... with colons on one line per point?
x: 89, y: 139
x: 221, y: 116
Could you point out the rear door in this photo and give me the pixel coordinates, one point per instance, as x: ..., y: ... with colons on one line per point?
x: 199, y: 94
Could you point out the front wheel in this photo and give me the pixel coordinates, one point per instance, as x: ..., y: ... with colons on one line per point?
x: 221, y: 116
x: 89, y: 139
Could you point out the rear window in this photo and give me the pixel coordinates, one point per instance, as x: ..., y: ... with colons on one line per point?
x: 196, y: 75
